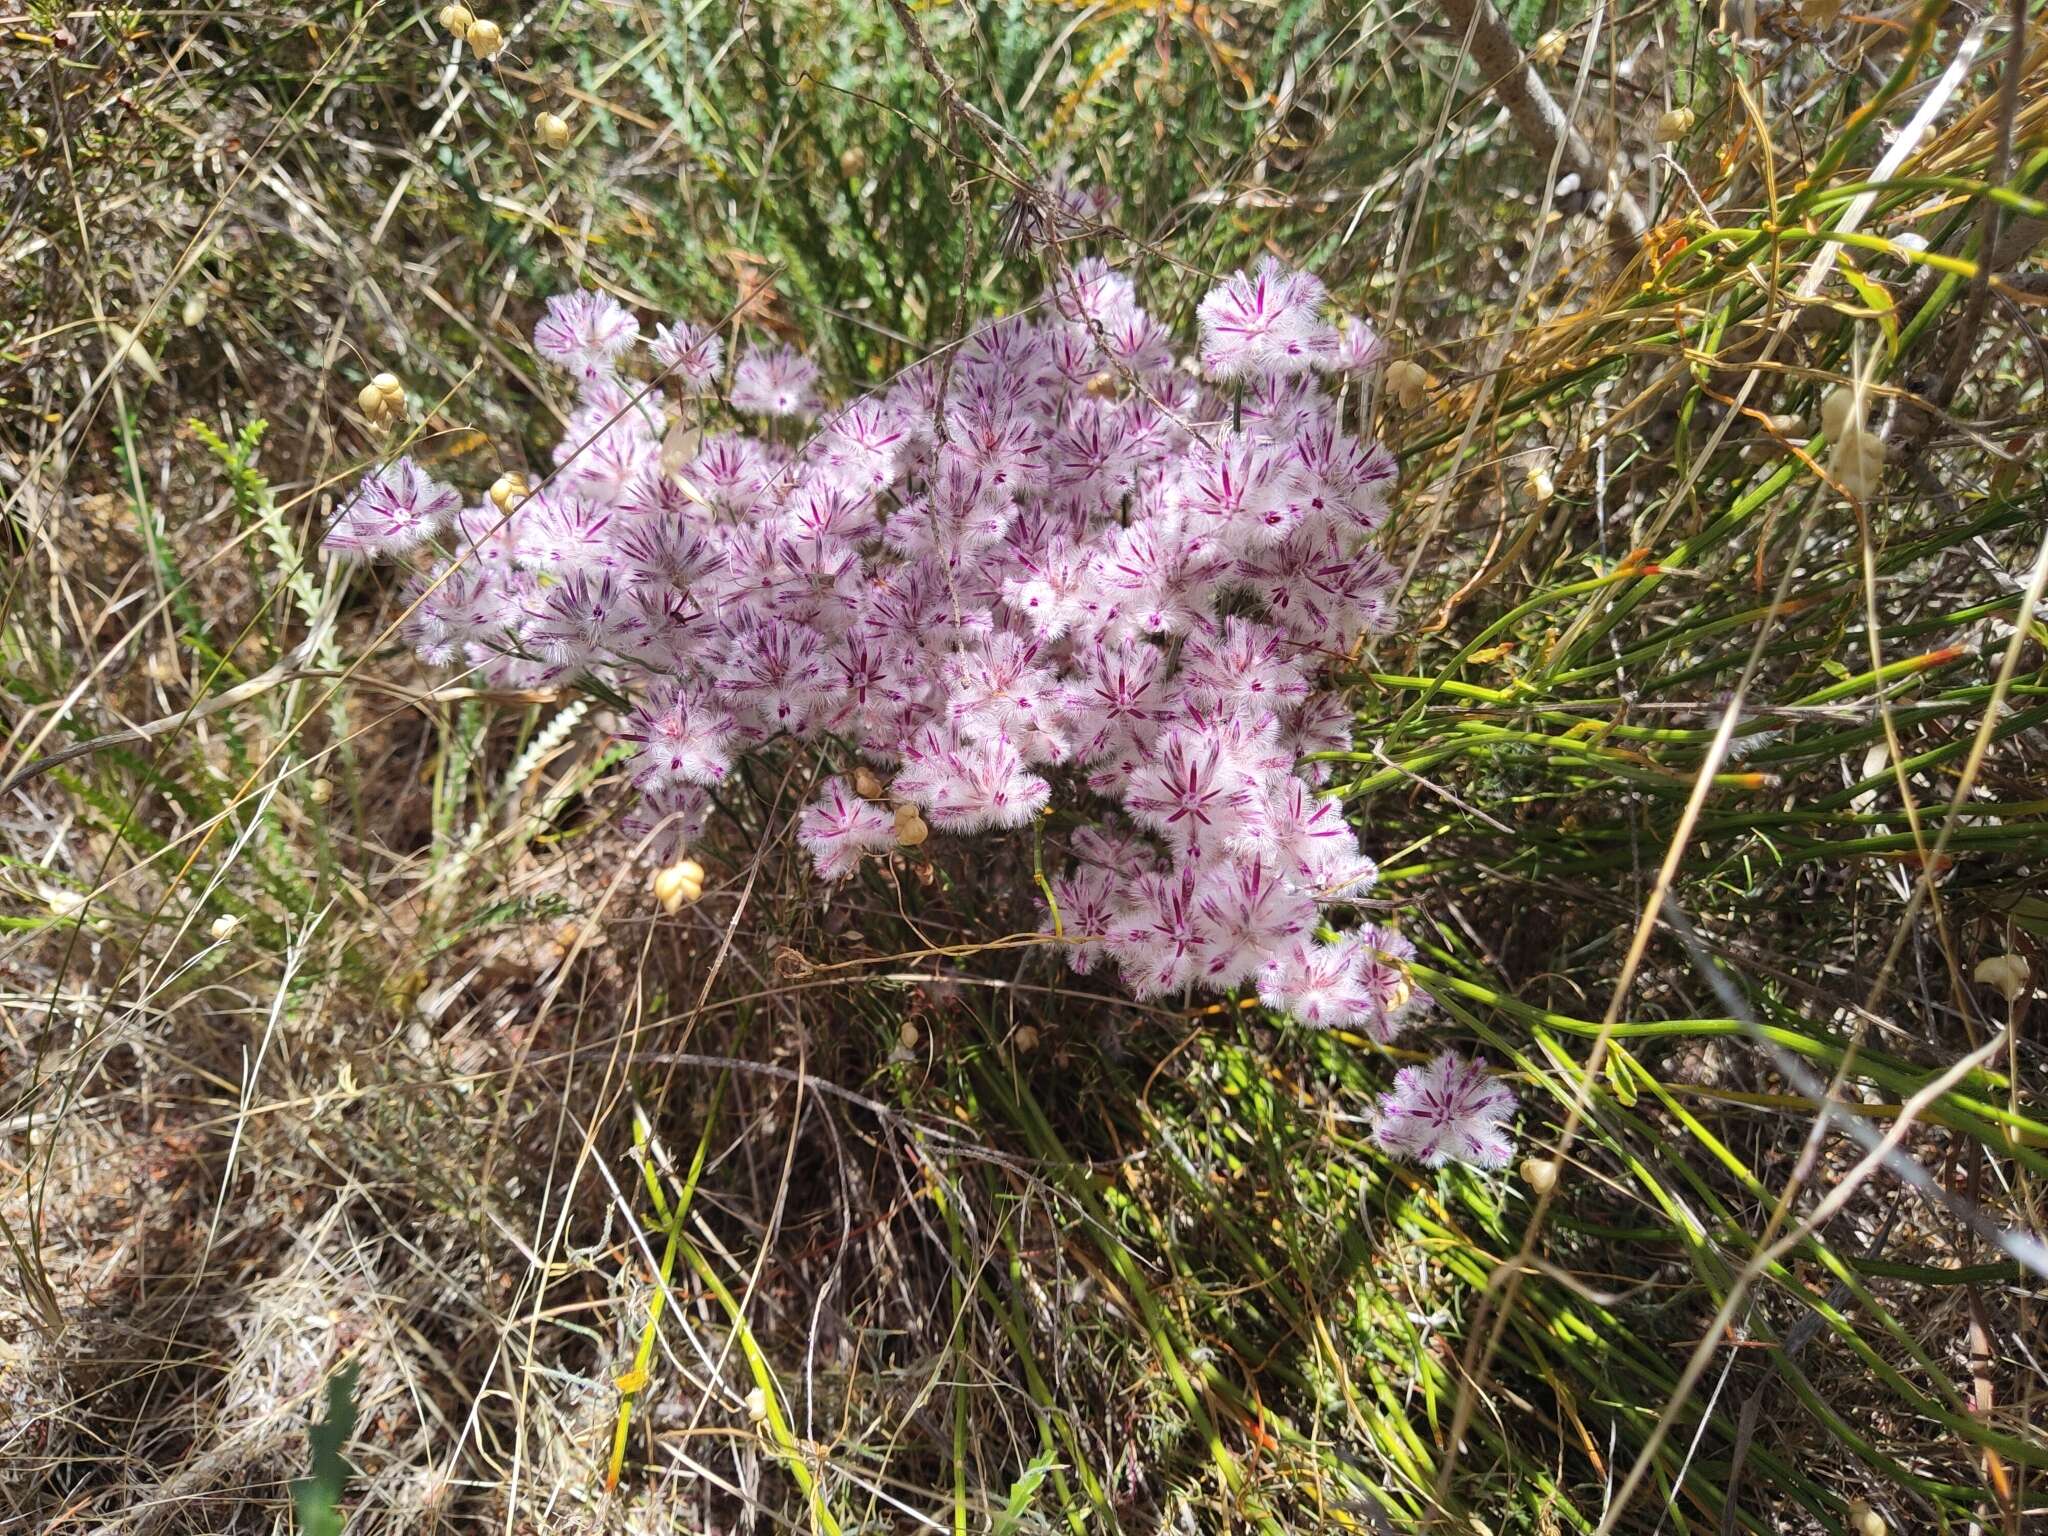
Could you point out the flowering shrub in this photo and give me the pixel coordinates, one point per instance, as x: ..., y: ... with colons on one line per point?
x: 1053, y: 563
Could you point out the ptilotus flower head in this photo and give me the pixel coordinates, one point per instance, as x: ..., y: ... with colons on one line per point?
x: 839, y: 827
x: 782, y: 382
x: 1268, y: 321
x: 1447, y: 1111
x: 688, y: 354
x: 585, y: 332
x: 394, y: 510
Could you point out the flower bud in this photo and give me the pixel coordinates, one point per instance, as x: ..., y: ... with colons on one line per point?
x: 1675, y: 125
x: 552, y: 129
x: 757, y: 1405
x: 320, y: 791
x: 485, y: 39
x: 2010, y: 974
x: 1408, y: 384
x: 508, y: 491
x: 1858, y: 463
x: 194, y: 310
x: 455, y: 19
x: 1548, y: 50
x: 1540, y: 1174
x: 224, y: 926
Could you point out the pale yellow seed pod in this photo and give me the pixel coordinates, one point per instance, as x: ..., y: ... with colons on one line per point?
x: 320, y: 791
x: 1026, y: 1038
x: 1863, y: 1520
x: 910, y: 826
x: 370, y: 401
x: 552, y: 129
x: 852, y: 161
x: 223, y: 927
x: 757, y: 1405
x: 1540, y: 1174
x: 867, y: 783
x: 1838, y: 409
x: 1858, y: 462
x: 508, y: 491
x: 1548, y: 50
x: 485, y: 39
x: 194, y: 310
x: 1675, y: 125
x: 909, y: 1036
x: 1820, y: 13
x: 455, y: 19
x: 679, y: 884
x: 2010, y: 974
x: 1408, y: 383
x: 1539, y: 485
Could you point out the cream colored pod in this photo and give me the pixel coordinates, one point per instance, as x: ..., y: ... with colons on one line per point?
x: 679, y: 884
x: 485, y: 39
x: 382, y: 399
x: 1675, y: 125
x: 552, y: 129
x: 1408, y: 384
x: 910, y: 826
x: 508, y: 491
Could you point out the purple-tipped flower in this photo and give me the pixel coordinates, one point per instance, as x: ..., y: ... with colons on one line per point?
x: 684, y: 735
x: 1447, y: 1111
x: 395, y: 509
x: 1267, y: 322
x: 778, y: 383
x: 585, y: 332
x: 688, y: 354
x: 839, y: 827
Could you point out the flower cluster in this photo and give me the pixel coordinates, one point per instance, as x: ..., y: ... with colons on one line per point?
x: 1055, y: 563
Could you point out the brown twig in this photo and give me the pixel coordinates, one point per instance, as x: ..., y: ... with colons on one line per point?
x: 1541, y: 120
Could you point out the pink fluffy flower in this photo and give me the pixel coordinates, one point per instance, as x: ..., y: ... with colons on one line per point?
x: 1266, y: 322
x: 1447, y: 1111
x: 585, y: 332
x: 1159, y: 939
x: 778, y: 383
x: 1322, y: 985
x: 1191, y: 792
x: 1247, y: 911
x: 394, y: 509
x: 684, y: 737
x: 839, y: 827
x: 1091, y: 903
x: 688, y: 354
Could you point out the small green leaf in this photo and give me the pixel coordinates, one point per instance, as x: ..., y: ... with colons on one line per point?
x: 318, y: 1497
